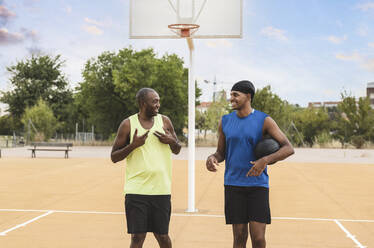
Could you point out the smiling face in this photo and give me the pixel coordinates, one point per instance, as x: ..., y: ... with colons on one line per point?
x: 151, y: 104
x: 239, y: 99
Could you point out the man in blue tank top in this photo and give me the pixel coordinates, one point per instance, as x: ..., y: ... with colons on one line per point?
x: 246, y: 179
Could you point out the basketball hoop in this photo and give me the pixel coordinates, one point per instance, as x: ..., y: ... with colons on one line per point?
x: 184, y: 30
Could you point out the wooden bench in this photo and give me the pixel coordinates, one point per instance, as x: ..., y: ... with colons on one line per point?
x: 49, y: 146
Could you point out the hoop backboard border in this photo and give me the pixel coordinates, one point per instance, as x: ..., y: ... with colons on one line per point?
x: 193, y: 36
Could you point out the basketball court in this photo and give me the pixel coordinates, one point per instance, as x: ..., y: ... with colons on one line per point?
x: 78, y: 202
x: 50, y: 201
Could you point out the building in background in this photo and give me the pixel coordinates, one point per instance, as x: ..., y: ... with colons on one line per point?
x: 370, y: 93
x: 323, y: 104
x: 203, y: 107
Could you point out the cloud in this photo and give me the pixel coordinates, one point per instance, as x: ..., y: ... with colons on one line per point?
x: 7, y: 38
x: 94, y: 22
x: 363, y: 30
x: 275, y: 33
x: 93, y: 26
x: 11, y: 38
x: 30, y: 3
x: 219, y: 43
x: 369, y: 65
x: 34, y: 50
x: 92, y: 29
x: 336, y: 40
x: 29, y: 34
x: 5, y: 15
x: 352, y: 57
x: 371, y: 44
x: 364, y: 62
x: 366, y: 6
x: 68, y: 9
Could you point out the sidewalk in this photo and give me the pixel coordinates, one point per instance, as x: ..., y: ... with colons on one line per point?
x: 301, y: 154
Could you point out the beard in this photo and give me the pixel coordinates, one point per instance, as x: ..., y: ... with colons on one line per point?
x: 151, y: 112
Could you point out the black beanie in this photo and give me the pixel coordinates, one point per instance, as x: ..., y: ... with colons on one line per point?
x: 245, y: 87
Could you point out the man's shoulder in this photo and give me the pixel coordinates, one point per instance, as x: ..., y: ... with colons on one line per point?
x: 259, y: 112
x: 163, y: 117
x: 229, y: 114
x: 125, y: 122
x: 128, y: 119
x: 227, y: 117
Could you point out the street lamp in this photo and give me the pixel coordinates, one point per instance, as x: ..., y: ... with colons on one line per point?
x: 214, y: 87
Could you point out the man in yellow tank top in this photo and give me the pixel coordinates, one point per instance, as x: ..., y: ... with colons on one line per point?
x: 146, y: 140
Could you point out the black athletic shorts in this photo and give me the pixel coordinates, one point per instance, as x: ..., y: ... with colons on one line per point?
x: 147, y: 213
x: 245, y: 204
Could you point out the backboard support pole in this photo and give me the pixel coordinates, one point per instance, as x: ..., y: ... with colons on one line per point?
x: 190, y: 45
x: 191, y: 130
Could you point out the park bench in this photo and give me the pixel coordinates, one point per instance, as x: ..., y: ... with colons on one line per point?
x: 50, y: 146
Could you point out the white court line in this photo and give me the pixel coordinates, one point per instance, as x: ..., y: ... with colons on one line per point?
x: 178, y: 214
x: 349, y: 235
x: 25, y: 223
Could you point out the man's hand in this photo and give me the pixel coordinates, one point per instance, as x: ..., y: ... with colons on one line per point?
x: 257, y: 168
x: 211, y: 163
x: 165, y: 138
x: 139, y: 140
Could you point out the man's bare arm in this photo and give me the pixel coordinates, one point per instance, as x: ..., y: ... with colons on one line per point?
x: 219, y: 156
x: 270, y: 127
x: 286, y: 149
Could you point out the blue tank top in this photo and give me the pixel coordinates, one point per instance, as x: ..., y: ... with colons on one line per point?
x: 242, y: 135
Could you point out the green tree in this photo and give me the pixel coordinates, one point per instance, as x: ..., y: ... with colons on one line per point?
x: 354, y: 122
x: 270, y: 103
x: 39, y: 121
x: 6, y: 124
x: 313, y: 123
x: 39, y: 77
x: 107, y: 94
x: 201, y: 122
x: 215, y: 112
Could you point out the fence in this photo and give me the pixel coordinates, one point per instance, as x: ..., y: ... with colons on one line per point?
x: 11, y: 141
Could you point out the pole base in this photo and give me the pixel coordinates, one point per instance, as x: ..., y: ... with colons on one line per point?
x: 192, y: 210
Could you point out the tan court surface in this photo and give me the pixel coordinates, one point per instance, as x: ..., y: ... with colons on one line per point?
x: 313, y: 205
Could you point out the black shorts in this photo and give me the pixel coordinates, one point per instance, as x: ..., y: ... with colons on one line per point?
x: 147, y: 213
x: 245, y: 204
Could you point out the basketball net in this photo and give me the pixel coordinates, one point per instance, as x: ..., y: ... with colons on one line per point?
x: 186, y: 17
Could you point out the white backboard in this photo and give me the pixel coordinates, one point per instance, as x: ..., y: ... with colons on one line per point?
x: 149, y: 19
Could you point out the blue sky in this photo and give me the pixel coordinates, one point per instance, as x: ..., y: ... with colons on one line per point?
x: 306, y: 50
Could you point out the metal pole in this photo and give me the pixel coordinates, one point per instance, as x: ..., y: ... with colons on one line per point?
x: 191, y: 132
x: 76, y: 131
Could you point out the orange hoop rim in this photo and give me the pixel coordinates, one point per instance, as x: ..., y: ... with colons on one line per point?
x: 183, y: 26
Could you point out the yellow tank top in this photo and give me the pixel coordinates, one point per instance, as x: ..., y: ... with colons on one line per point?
x: 148, y: 167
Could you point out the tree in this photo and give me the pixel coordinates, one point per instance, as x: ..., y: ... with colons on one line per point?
x: 354, y: 122
x: 107, y: 94
x: 198, y: 93
x: 270, y: 103
x: 39, y: 77
x: 215, y: 112
x: 39, y: 121
x: 313, y: 123
x: 201, y: 122
x: 6, y: 124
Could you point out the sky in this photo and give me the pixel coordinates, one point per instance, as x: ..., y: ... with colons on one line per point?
x: 307, y: 51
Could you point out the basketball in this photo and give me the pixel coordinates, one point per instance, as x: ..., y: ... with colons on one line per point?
x: 266, y: 146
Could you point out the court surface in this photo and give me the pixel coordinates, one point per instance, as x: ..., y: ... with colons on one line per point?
x: 78, y: 202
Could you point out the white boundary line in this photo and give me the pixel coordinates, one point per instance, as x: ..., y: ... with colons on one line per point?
x: 48, y: 212
x: 25, y: 223
x: 177, y: 214
x: 349, y: 235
